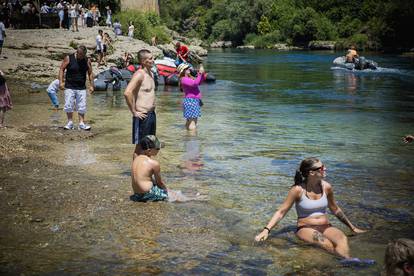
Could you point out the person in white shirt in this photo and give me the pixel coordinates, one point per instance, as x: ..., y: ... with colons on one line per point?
x: 45, y: 8
x: 26, y: 9
x: 2, y: 35
x: 131, y: 30
x: 108, y: 17
x: 74, y: 13
x: 99, y: 46
x: 61, y: 13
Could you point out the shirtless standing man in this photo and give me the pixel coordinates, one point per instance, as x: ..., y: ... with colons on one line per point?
x: 140, y: 97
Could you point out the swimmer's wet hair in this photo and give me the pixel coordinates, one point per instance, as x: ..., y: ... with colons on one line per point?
x: 150, y: 142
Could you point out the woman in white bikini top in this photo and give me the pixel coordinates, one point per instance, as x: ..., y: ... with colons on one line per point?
x: 311, y: 196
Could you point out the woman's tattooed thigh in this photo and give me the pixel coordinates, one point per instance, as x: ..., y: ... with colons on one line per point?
x: 318, y: 236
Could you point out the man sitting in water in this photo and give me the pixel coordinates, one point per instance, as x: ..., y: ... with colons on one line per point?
x: 351, y: 55
x: 146, y: 178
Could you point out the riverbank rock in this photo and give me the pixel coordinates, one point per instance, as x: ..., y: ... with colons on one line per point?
x: 221, y: 44
x: 246, y: 47
x: 409, y: 54
x: 321, y: 45
x: 284, y: 47
x: 36, y: 55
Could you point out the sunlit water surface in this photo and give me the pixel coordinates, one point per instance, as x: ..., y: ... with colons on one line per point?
x: 266, y: 112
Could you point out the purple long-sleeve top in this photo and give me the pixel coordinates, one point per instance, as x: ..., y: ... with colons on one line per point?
x: 190, y: 86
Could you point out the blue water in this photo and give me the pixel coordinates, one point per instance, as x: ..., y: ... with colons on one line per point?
x: 267, y: 111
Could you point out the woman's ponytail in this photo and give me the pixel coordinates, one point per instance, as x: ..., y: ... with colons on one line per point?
x: 303, y: 171
x: 299, y: 179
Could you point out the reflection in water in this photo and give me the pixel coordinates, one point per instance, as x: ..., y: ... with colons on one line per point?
x: 192, y: 157
x: 347, y: 81
x: 115, y: 98
x: 351, y: 83
x: 78, y: 154
x: 55, y: 117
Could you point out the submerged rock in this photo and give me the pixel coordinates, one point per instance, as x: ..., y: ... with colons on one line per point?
x: 246, y: 47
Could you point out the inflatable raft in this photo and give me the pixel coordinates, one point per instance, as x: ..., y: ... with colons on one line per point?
x: 360, y: 63
x: 164, y: 70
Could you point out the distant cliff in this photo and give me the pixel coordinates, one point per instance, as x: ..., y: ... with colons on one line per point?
x: 141, y: 5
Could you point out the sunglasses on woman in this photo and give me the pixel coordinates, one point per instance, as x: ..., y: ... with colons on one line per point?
x: 321, y: 168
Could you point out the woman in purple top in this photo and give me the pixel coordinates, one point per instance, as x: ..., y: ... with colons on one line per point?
x: 192, y: 96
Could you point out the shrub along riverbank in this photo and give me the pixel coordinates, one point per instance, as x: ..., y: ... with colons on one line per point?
x: 147, y: 25
x: 369, y: 24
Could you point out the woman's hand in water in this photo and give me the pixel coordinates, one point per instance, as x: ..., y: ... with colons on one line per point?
x: 358, y: 231
x: 262, y: 236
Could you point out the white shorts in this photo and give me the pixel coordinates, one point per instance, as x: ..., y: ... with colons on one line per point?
x: 73, y: 96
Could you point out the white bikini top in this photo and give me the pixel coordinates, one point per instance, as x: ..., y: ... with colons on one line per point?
x: 306, y: 207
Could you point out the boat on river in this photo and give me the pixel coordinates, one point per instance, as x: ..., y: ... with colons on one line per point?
x: 360, y: 63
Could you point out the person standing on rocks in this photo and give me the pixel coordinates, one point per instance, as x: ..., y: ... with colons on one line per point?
x: 117, y: 28
x: 61, y: 14
x: 99, y: 46
x: 140, y: 97
x: 74, y: 14
x: 131, y: 29
x: 108, y: 17
x: 5, y: 99
x: 2, y: 35
x: 106, y: 43
x: 77, y: 66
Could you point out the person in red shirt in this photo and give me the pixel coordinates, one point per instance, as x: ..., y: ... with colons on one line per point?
x: 182, y: 53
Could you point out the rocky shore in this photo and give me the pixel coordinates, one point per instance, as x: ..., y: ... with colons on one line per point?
x: 36, y: 55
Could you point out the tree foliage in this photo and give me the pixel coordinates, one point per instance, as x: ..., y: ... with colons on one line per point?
x: 373, y: 23
x: 147, y: 25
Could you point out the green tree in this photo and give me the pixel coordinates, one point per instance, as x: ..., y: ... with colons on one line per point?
x: 264, y: 27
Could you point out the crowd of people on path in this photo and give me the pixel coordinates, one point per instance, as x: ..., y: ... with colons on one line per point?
x: 71, y: 14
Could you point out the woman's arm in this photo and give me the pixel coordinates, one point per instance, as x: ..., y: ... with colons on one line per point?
x: 189, y: 82
x: 292, y: 196
x: 338, y: 211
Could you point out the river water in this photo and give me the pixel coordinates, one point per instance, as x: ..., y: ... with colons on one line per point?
x: 267, y: 111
